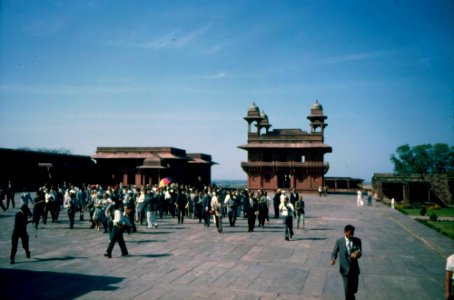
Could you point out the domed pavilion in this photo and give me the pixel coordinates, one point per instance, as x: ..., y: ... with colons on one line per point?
x: 285, y: 158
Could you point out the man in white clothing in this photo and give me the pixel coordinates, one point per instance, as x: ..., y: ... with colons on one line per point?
x: 287, y: 210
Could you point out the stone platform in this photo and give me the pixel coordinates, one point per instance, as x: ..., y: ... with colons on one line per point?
x: 402, y: 259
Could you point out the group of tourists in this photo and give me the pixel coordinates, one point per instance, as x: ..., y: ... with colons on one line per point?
x: 121, y: 208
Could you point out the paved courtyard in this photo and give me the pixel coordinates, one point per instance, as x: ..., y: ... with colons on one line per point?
x: 402, y: 259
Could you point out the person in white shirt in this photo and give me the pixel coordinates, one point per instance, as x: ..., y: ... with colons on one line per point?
x: 120, y: 223
x: 449, y: 278
x: 359, y: 198
x: 140, y: 208
x: 217, y: 207
x: 287, y: 210
x: 71, y: 206
x: 230, y: 204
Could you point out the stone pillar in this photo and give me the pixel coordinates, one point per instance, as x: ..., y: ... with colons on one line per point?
x: 380, y: 190
x: 138, y: 180
x: 406, y: 192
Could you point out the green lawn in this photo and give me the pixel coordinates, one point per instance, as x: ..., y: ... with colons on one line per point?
x: 441, y: 212
x: 444, y: 227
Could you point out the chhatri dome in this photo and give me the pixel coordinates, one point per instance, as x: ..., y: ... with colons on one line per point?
x: 264, y: 122
x: 317, y: 105
x: 253, y: 110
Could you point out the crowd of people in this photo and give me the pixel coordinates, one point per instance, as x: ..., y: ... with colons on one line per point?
x: 121, y: 208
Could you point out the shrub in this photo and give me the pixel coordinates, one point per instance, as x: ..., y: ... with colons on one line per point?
x: 433, y: 217
x: 403, y: 206
x: 423, y: 211
x: 434, y: 207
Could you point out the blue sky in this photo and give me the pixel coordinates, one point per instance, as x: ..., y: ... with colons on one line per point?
x: 82, y: 74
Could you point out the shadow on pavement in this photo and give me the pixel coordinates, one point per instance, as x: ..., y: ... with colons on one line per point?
x: 146, y: 241
x: 37, y: 259
x: 153, y: 232
x: 150, y: 255
x: 24, y: 284
x: 309, y: 239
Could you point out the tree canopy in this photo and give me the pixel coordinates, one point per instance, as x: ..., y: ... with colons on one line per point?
x: 46, y: 150
x: 424, y: 159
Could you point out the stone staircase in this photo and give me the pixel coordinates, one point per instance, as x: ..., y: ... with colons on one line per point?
x: 439, y: 186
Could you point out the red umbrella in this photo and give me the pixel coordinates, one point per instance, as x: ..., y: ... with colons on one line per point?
x: 165, y: 181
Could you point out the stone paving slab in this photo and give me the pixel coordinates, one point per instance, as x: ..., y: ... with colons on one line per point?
x: 402, y: 258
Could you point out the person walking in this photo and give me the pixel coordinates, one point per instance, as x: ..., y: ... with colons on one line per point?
x: 173, y: 202
x: 206, y: 208
x: 120, y: 222
x: 294, y: 196
x: 99, y: 214
x: 325, y: 190
x: 263, y: 208
x: 53, y: 205
x: 369, y: 198
x: 161, y: 202
x: 237, y: 208
x: 2, y: 197
x: 82, y: 199
x: 151, y: 206
x: 10, y: 195
x: 229, y: 202
x: 71, y: 205
x: 349, y: 250
x: 252, y: 212
x: 129, y: 208
x: 287, y: 210
x: 91, y: 204
x: 276, y: 202
x: 59, y: 192
x: 47, y: 206
x: 20, y: 232
x: 246, y: 203
x: 300, y: 212
x: 217, y: 207
x: 359, y: 198
x: 180, y: 205
x: 198, y: 206
x: 140, y: 206
x: 38, y: 207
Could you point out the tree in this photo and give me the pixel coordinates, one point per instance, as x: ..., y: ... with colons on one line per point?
x: 424, y: 159
x: 443, y: 158
x: 46, y: 150
x: 404, y: 161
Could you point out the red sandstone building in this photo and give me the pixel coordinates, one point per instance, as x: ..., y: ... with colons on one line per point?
x: 148, y: 165
x: 285, y: 158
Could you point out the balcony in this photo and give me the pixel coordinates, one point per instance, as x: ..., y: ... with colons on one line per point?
x: 286, y: 164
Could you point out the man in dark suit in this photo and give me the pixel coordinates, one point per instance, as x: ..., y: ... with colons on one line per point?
x: 349, y: 250
x: 20, y: 231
